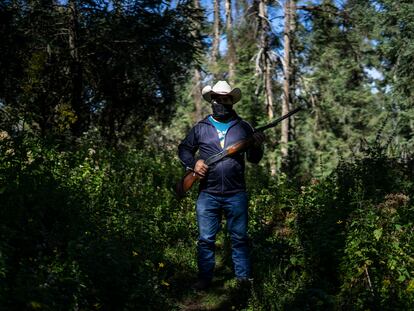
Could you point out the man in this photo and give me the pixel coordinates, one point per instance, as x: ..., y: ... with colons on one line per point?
x: 222, y: 187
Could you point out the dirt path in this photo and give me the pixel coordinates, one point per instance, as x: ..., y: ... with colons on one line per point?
x: 222, y: 295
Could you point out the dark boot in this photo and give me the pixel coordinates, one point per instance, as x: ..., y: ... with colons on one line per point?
x: 201, y: 284
x: 244, y: 285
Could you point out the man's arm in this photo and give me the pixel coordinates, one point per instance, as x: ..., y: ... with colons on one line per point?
x: 187, y: 149
x: 255, y: 153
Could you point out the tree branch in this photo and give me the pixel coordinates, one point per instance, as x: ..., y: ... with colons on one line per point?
x: 333, y: 10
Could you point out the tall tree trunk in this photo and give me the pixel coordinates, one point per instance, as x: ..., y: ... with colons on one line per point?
x: 196, y: 89
x: 268, y: 90
x: 237, y: 16
x: 216, y: 32
x: 242, y: 7
x: 266, y: 57
x: 76, y: 71
x: 289, y: 28
x: 265, y: 65
x: 269, y: 107
x: 231, y: 50
x: 196, y: 94
x: 117, y: 7
x: 216, y: 36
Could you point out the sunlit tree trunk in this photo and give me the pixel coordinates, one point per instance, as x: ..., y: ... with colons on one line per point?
x: 241, y: 7
x: 265, y: 64
x: 237, y: 7
x: 266, y: 57
x: 289, y: 29
x: 196, y: 94
x: 216, y: 33
x: 231, y: 51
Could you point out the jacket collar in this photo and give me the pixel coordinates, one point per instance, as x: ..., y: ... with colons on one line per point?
x: 205, y: 120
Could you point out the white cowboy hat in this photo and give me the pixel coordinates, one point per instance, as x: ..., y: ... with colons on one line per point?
x: 221, y: 88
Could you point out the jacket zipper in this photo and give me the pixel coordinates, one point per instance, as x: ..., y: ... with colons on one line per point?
x: 221, y: 162
x: 221, y: 168
x: 224, y: 146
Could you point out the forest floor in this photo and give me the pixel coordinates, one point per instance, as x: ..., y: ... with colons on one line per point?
x: 222, y: 295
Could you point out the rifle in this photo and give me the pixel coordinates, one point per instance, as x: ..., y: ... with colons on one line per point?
x: 191, y: 176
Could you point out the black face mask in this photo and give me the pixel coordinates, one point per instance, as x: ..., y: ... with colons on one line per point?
x: 221, y: 112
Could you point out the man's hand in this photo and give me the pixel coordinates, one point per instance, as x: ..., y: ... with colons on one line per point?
x: 259, y: 138
x: 201, y: 168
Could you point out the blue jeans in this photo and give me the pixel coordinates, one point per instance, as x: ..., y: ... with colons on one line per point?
x: 209, y: 211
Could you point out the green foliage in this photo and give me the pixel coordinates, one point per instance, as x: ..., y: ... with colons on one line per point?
x: 378, y: 263
x: 83, y: 229
x: 395, y: 28
x: 336, y: 87
x: 394, y: 36
x: 84, y: 226
x: 93, y: 66
x: 93, y: 228
x: 340, y: 243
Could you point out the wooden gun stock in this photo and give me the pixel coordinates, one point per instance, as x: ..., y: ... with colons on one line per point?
x: 186, y: 183
x: 239, y: 146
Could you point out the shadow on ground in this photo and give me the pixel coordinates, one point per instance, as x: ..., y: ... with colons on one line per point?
x: 222, y: 295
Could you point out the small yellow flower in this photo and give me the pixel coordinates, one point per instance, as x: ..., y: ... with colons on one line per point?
x: 339, y: 222
x: 165, y: 283
x: 161, y: 265
x: 134, y: 253
x: 35, y: 305
x: 386, y: 282
x: 97, y: 305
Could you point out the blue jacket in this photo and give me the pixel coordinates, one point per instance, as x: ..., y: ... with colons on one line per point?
x: 227, y: 175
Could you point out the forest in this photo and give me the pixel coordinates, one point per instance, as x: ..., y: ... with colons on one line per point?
x: 95, y: 98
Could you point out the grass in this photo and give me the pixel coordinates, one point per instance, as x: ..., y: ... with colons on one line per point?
x: 223, y: 293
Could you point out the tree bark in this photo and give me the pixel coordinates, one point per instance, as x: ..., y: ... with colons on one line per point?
x: 196, y: 94
x: 76, y: 72
x: 231, y: 50
x: 289, y: 29
x: 196, y: 89
x: 216, y: 33
x: 266, y: 58
x: 265, y: 64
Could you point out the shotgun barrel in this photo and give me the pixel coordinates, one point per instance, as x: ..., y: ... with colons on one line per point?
x: 191, y: 176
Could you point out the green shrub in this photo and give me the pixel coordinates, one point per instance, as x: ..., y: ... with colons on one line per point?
x: 378, y: 264
x: 316, y: 247
x: 83, y: 228
x: 93, y: 228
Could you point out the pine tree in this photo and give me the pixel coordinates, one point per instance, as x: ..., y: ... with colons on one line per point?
x: 335, y: 86
x: 394, y: 39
